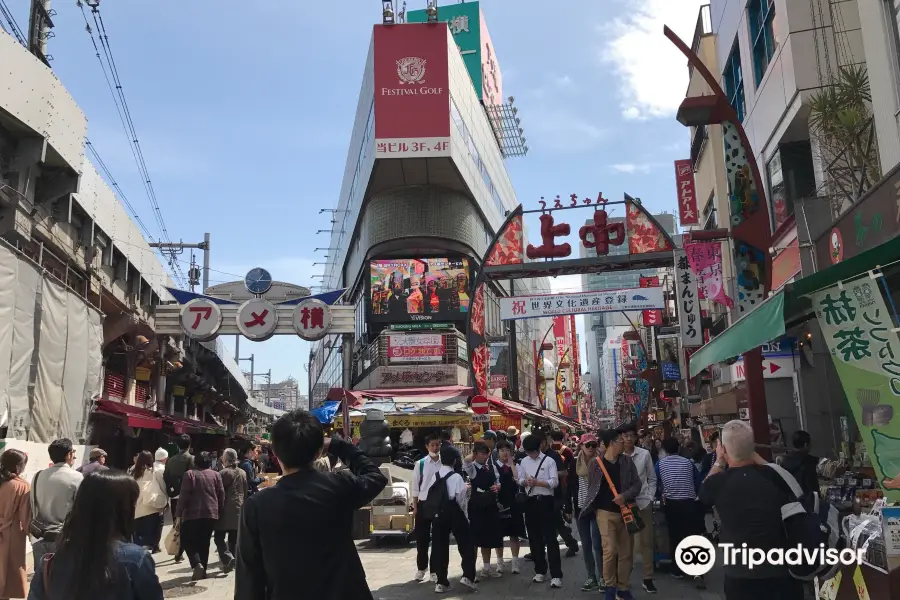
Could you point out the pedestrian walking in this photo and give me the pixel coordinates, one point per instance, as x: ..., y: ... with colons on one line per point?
x: 483, y: 510
x: 679, y: 481
x: 564, y: 458
x: 52, y: 496
x: 539, y: 476
x: 295, y: 536
x: 159, y: 470
x: 446, y: 506
x: 176, y: 467
x: 643, y: 462
x: 151, y: 502
x: 512, y: 519
x: 234, y: 482
x: 249, y: 466
x: 97, y: 462
x: 201, y: 502
x: 613, y: 482
x: 424, y: 472
x: 15, y: 517
x: 749, y: 503
x: 586, y: 520
x: 93, y: 559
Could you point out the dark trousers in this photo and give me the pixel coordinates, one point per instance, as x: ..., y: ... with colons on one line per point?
x: 157, y: 533
x: 195, y: 536
x: 455, y: 522
x: 562, y: 529
x: 782, y: 588
x: 683, y: 518
x: 221, y: 545
x: 423, y: 541
x: 540, y: 520
x: 145, y: 530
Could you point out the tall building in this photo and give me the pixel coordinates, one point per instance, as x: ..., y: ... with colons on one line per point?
x: 598, y: 326
x: 424, y: 191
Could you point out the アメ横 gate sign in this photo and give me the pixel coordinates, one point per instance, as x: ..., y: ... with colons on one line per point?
x: 579, y: 303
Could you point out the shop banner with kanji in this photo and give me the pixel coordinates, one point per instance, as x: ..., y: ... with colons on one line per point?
x: 705, y: 259
x: 857, y: 328
x: 651, y: 318
x: 687, y: 197
x: 688, y: 302
x: 549, y: 305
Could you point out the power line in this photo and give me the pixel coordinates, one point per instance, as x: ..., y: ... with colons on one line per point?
x: 16, y: 31
x: 114, y: 83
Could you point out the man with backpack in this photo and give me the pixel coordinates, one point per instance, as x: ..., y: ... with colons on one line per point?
x: 425, y: 472
x: 446, y: 508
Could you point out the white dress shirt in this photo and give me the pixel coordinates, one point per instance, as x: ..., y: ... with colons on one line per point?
x: 421, y: 484
x: 532, y: 467
x: 643, y: 462
x: 456, y: 488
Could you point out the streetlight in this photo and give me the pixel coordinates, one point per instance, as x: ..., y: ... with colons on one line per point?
x: 387, y: 14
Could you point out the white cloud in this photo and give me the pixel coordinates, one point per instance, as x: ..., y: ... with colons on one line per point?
x: 631, y: 168
x: 653, y: 72
x: 566, y: 283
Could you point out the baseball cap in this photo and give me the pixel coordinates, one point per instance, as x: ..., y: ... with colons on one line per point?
x: 489, y: 435
x: 588, y: 437
x: 97, y: 453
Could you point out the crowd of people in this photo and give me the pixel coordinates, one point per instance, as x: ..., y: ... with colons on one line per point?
x: 95, y: 530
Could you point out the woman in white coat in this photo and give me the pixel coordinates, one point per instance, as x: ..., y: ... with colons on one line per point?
x: 150, y: 503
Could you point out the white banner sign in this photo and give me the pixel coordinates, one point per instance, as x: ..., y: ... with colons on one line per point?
x: 549, y: 305
x: 688, y: 302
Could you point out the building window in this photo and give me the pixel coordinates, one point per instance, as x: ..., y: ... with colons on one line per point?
x: 761, y: 14
x: 710, y: 218
x: 734, y: 81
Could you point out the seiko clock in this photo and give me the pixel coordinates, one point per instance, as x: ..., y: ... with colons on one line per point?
x: 258, y: 281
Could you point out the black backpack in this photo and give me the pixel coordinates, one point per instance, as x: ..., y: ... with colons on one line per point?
x: 438, y: 499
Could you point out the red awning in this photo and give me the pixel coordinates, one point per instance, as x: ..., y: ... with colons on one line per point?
x: 357, y: 398
x: 135, y: 416
x: 506, y: 407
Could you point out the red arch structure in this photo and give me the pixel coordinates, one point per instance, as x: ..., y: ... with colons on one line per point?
x: 750, y: 222
x: 650, y: 247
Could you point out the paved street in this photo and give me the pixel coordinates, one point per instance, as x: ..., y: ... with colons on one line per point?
x: 390, y: 571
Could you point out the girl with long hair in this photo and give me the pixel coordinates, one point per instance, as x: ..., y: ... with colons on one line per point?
x: 15, y: 516
x: 151, y: 501
x: 94, y: 559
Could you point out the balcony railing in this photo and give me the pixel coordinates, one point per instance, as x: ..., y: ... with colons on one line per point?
x: 697, y: 144
x: 703, y: 28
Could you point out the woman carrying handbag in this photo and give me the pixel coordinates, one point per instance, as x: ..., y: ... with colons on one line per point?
x: 613, y: 485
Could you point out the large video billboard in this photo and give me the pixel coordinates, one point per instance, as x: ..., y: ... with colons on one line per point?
x: 412, y: 289
x: 412, y: 90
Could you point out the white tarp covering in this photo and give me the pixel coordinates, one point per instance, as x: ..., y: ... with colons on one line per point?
x: 19, y: 281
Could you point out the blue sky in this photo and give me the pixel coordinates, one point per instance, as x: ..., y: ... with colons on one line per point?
x: 244, y: 112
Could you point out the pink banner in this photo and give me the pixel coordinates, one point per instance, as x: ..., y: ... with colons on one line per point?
x: 705, y: 259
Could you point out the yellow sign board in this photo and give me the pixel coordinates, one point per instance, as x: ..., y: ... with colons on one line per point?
x: 142, y: 373
x: 402, y: 421
x: 829, y: 590
x: 860, y: 583
x: 178, y: 390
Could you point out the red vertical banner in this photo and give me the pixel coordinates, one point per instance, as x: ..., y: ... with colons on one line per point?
x: 687, y: 195
x: 576, y: 376
x: 559, y: 333
x: 652, y: 318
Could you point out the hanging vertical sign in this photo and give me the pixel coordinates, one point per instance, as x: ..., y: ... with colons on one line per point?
x: 705, y: 259
x: 857, y: 328
x: 688, y: 302
x: 687, y: 197
x: 559, y: 333
x: 652, y: 318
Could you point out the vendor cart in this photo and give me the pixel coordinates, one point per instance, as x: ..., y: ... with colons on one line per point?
x: 391, y: 511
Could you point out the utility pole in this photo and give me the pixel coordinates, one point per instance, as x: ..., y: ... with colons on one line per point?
x: 252, y: 360
x: 177, y: 247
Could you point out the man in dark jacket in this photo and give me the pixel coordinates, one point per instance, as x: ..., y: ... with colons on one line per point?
x: 248, y: 465
x: 176, y: 467
x: 296, y: 535
x: 802, y: 465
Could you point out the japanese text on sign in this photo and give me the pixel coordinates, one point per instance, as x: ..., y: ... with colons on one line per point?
x: 705, y: 259
x: 527, y: 307
x: 402, y: 148
x: 688, y: 302
x: 687, y: 198
x: 415, y: 348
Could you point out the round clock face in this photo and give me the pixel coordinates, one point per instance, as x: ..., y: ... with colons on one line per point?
x: 258, y: 281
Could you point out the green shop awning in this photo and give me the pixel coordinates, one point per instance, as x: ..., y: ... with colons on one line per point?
x: 769, y: 321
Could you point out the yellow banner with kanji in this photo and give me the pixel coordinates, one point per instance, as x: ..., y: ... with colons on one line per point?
x: 403, y: 421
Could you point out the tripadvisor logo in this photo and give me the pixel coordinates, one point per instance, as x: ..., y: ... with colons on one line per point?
x: 696, y: 556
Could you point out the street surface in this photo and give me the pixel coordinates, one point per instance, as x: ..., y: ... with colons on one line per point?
x: 390, y: 570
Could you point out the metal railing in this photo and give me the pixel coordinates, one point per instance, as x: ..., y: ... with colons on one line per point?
x: 702, y: 29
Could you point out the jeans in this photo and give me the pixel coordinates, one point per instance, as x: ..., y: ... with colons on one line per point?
x: 195, y: 536
x: 591, y: 546
x: 540, y: 521
x: 39, y: 548
x: 221, y: 545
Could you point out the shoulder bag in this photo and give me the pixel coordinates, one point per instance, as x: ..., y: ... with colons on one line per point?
x: 630, y: 513
x: 522, y: 496
x: 39, y: 529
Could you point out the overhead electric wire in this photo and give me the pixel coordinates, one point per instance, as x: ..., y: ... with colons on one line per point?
x: 114, y: 84
x: 16, y: 30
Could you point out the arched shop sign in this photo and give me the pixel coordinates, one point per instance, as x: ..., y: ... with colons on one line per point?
x: 203, y: 318
x: 509, y: 258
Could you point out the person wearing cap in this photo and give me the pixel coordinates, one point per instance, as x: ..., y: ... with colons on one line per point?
x: 97, y: 462
x: 159, y: 468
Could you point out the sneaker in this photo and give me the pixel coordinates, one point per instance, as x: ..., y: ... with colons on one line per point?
x: 609, y: 594
x: 572, y: 551
x: 556, y: 582
x: 420, y: 575
x: 179, y: 558
x: 199, y: 573
x: 677, y: 575
x: 440, y: 589
x: 465, y: 581
x: 434, y: 578
x: 624, y: 595
x: 528, y: 556
x: 699, y: 582
x: 227, y: 562
x: 514, y: 566
x: 649, y: 586
x: 538, y: 578
x: 484, y: 574
x: 498, y: 568
x: 590, y: 585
